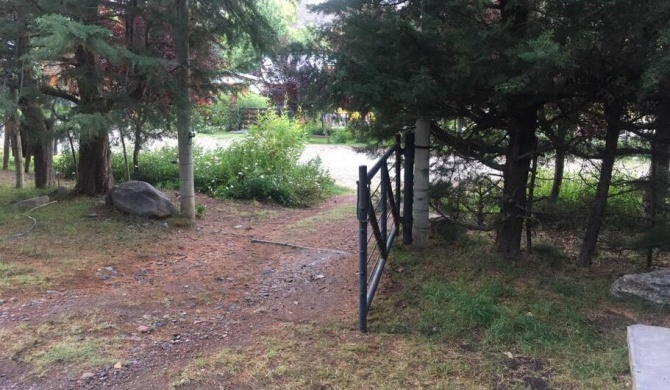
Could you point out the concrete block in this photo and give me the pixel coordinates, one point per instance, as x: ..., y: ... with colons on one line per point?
x: 649, y: 350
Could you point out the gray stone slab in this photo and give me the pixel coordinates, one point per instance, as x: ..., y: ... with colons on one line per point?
x: 649, y: 350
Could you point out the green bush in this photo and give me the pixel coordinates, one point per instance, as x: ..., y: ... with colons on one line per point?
x: 64, y: 165
x: 341, y: 136
x: 264, y: 165
x: 252, y: 100
x: 313, y: 127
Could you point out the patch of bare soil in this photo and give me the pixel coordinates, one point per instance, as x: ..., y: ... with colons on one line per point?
x: 203, y: 288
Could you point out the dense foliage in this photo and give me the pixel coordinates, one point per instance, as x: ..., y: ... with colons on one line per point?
x: 508, y: 83
x: 263, y: 165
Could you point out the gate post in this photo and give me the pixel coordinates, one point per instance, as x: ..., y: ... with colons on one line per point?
x: 398, y: 169
x: 362, y: 213
x: 408, y: 191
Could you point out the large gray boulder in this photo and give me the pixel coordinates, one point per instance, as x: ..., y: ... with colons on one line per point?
x: 652, y: 286
x: 140, y: 198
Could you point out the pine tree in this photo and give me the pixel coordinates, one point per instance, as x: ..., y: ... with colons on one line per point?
x: 120, y: 56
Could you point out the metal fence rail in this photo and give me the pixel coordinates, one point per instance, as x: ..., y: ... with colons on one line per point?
x: 380, y: 209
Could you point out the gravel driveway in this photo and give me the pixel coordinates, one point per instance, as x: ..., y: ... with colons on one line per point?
x: 341, y: 161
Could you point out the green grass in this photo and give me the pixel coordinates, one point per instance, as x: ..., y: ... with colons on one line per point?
x: 458, y: 294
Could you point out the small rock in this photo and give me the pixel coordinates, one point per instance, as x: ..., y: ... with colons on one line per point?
x: 50, y: 292
x: 28, y: 204
x: 143, y: 329
x: 118, y: 365
x: 135, y: 338
x: 87, y: 376
x: 267, y: 270
x: 319, y: 276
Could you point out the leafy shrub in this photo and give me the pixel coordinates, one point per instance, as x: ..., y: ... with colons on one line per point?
x: 252, y: 100
x: 160, y: 167
x: 64, y: 165
x: 341, y: 136
x: 313, y: 127
x: 264, y: 165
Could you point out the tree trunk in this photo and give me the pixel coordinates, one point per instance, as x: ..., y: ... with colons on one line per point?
x: 39, y: 142
x: 6, y: 147
x: 529, y: 215
x: 660, y: 173
x: 74, y: 155
x: 125, y: 153
x: 137, y: 147
x: 95, y: 161
x: 186, y: 185
x: 37, y: 134
x: 559, y: 168
x: 613, y: 113
x: 521, y: 132
x: 12, y: 127
x: 421, y: 225
x: 27, y: 151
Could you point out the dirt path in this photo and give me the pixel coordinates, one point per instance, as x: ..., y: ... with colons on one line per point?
x: 201, y: 289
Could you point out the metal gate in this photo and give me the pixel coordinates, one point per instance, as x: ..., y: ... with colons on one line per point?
x: 383, y: 210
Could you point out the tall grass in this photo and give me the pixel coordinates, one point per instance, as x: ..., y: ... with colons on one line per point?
x: 625, y: 203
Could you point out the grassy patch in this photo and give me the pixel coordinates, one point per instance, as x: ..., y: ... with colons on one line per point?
x: 509, y: 314
x: 83, y: 339
x: 340, y: 213
x: 312, y: 357
x: 52, y: 251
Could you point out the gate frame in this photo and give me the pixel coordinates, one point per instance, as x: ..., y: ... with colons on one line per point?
x: 366, y: 215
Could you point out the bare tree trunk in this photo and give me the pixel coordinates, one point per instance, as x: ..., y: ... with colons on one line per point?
x: 529, y: 216
x: 421, y: 225
x: 6, y: 149
x: 613, y: 113
x: 27, y: 155
x: 660, y: 174
x: 125, y: 153
x: 559, y: 169
x: 95, y: 160
x: 74, y: 155
x: 95, y: 163
x: 186, y: 185
x: 521, y: 132
x: 40, y: 144
x: 139, y: 141
x: 12, y: 127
